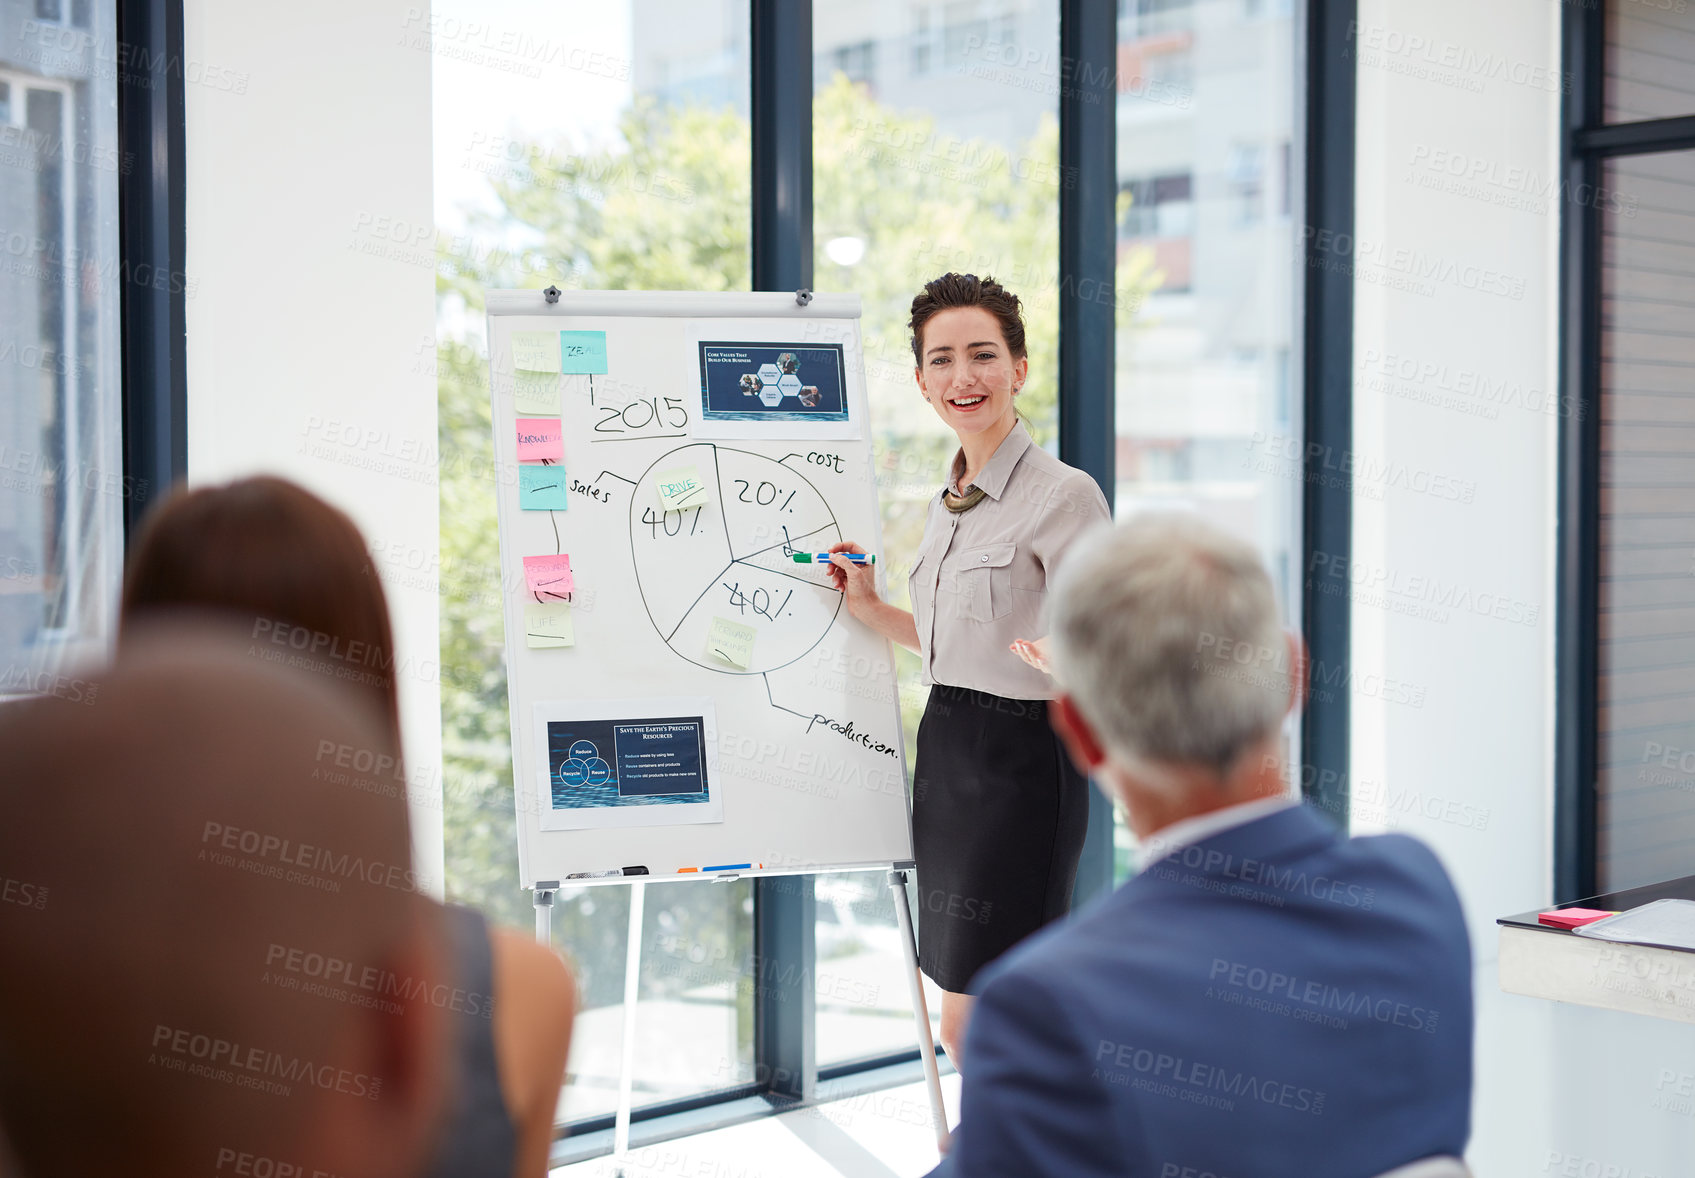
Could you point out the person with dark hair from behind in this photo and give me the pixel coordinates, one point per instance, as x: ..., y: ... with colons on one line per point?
x: 1268, y: 997
x: 169, y: 844
x: 293, y: 575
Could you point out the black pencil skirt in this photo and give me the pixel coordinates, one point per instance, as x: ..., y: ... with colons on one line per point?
x: 998, y: 819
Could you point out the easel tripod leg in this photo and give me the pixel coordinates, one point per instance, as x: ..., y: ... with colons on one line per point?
x: 627, y: 1065
x: 543, y: 897
x: 920, y: 1013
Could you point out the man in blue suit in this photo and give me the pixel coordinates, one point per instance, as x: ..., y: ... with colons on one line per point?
x: 1267, y: 998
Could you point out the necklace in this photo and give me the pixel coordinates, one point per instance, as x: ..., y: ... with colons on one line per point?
x: 962, y: 503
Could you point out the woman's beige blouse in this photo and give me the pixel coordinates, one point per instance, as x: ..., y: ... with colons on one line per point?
x: 981, y: 578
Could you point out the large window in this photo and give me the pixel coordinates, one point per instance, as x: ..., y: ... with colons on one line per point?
x: 600, y: 146
x: 1649, y: 62
x: 936, y: 146
x: 1626, y: 696
x: 62, y: 486
x: 943, y: 158
x: 1646, y: 701
x: 1206, y: 250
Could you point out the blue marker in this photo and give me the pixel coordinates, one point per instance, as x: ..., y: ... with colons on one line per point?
x: 824, y: 557
x: 730, y: 867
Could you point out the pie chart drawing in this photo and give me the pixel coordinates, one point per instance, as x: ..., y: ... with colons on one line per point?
x: 730, y: 557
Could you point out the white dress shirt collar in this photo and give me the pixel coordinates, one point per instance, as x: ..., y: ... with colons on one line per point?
x: 1186, y: 832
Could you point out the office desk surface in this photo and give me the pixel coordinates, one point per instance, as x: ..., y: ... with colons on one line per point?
x: 1554, y: 963
x: 1674, y: 889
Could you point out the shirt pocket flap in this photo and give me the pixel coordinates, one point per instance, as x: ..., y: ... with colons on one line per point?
x: 989, y: 556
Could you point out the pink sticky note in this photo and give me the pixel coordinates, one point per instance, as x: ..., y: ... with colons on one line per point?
x: 549, y: 577
x: 540, y: 439
x: 1573, y: 917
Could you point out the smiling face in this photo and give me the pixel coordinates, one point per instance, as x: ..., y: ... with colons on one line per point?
x: 967, y: 371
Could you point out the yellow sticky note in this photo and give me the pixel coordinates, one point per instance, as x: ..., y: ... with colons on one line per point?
x: 535, y: 395
x: 535, y: 351
x: 681, y: 488
x: 548, y: 624
x: 731, y: 642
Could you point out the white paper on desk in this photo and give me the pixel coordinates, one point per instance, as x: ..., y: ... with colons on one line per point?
x: 1670, y: 923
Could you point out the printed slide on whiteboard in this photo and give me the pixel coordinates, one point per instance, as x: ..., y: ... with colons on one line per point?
x: 783, y: 389
x: 606, y: 763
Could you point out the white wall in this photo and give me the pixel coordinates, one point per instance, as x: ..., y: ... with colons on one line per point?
x: 1463, y: 408
x: 1455, y: 299
x: 310, y: 350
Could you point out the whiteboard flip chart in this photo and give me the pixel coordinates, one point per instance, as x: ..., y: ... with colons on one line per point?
x: 717, y: 704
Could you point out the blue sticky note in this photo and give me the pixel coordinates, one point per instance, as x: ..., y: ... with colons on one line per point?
x: 541, y: 488
x: 583, y: 352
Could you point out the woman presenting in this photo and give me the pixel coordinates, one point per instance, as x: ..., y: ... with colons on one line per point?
x: 998, y: 811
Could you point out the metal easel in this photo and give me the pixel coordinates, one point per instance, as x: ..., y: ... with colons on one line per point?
x: 544, y: 894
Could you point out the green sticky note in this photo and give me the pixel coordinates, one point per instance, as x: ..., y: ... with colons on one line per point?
x: 536, y: 351
x: 535, y: 395
x: 541, y: 488
x: 730, y: 642
x: 681, y: 488
x: 583, y: 352
x: 547, y: 625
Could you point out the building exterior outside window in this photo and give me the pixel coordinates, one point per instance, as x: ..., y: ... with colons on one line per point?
x: 63, y: 487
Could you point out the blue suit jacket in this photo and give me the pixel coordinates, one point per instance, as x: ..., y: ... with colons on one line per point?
x: 1276, y: 1001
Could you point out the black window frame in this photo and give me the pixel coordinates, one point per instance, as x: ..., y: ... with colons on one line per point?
x: 1327, y: 381
x: 153, y: 332
x: 1587, y: 143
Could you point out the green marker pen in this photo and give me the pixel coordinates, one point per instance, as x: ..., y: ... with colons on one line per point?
x: 824, y: 557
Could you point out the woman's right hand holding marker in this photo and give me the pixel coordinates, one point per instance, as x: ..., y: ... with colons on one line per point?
x: 856, y: 582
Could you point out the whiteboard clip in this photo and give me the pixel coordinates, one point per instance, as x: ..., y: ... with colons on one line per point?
x: 802, y: 297
x: 551, y: 294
